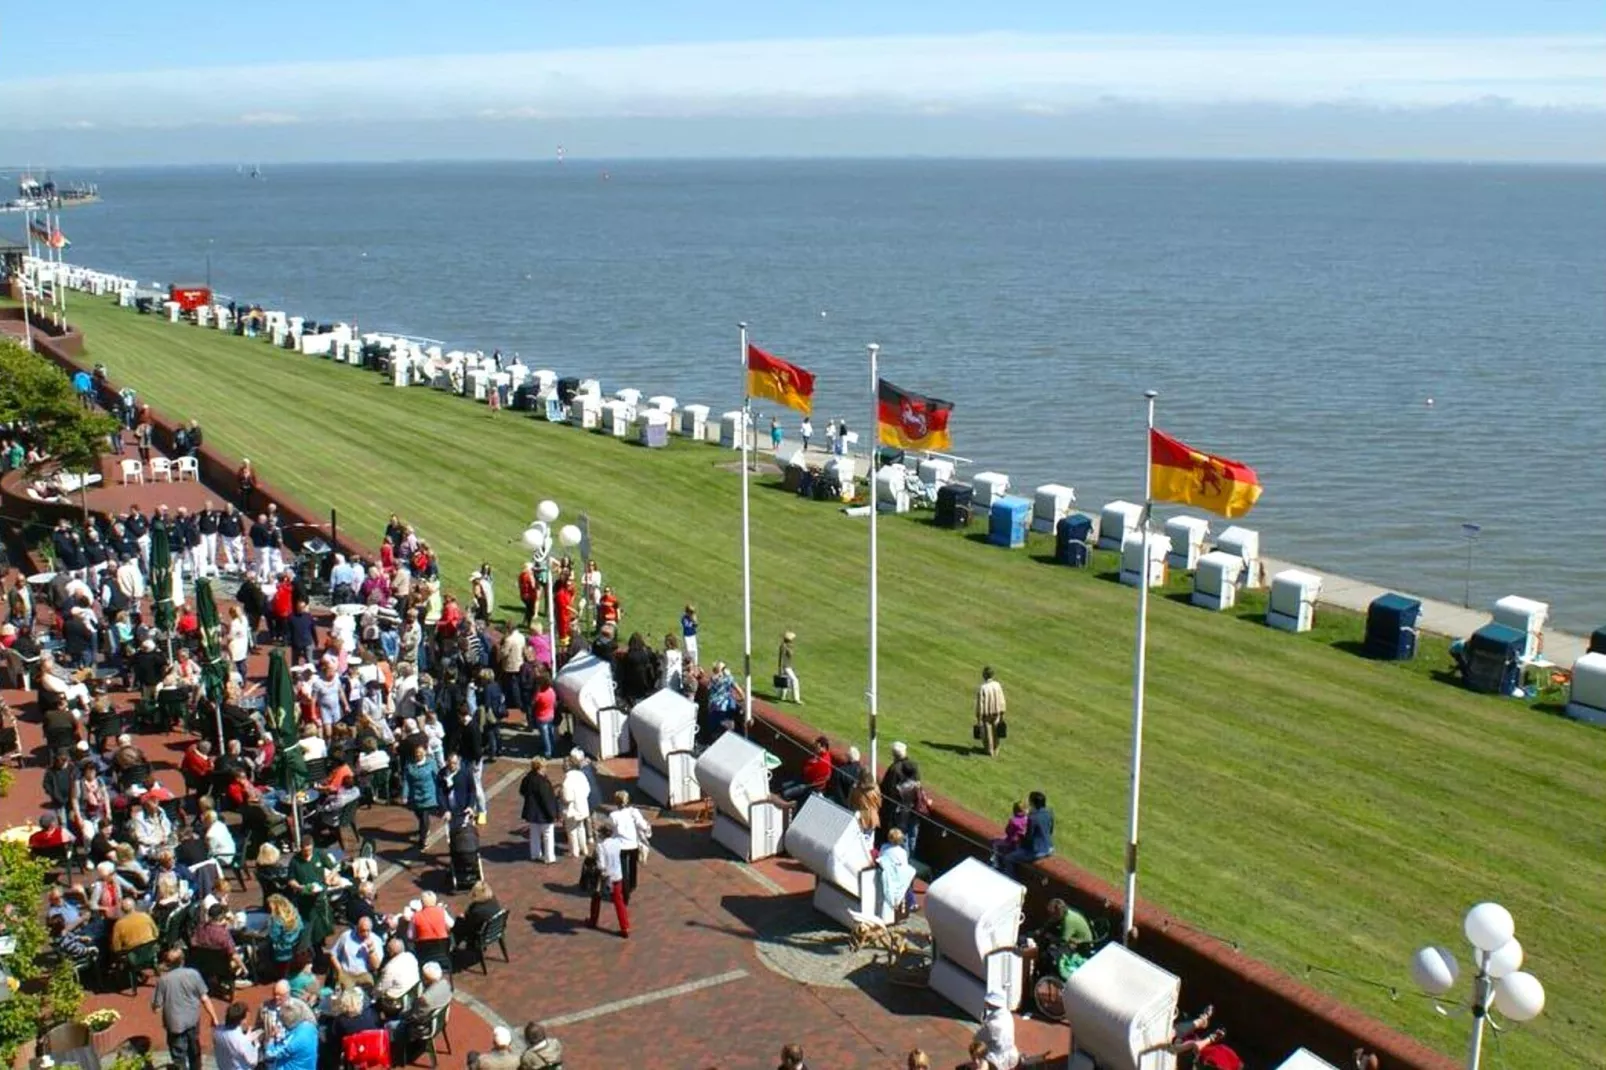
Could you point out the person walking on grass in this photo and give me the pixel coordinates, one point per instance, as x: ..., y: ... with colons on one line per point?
x: 688, y: 634
x: 989, y: 711
x: 785, y: 674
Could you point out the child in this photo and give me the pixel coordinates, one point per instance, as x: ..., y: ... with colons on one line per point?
x: 1014, y: 834
x: 688, y: 634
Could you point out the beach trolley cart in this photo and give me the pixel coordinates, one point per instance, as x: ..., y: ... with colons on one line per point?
x: 1305, y: 1059
x: 987, y: 487
x: 735, y: 773
x: 1187, y: 535
x: 1526, y: 616
x: 825, y: 839
x: 1292, y: 605
x: 1245, y: 542
x: 1391, y: 627
x: 1119, y: 1004
x: 1007, y: 522
x: 953, y: 505
x: 1132, y: 558
x: 664, y: 726
x: 1051, y: 503
x: 1490, y: 659
x: 693, y: 418
x: 974, y: 913
x: 892, y: 489
x: 1073, y: 540
x: 731, y: 427
x: 585, y: 688
x: 1586, y: 699
x: 1117, y: 520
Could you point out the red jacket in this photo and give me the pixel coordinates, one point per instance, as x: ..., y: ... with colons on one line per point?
x: 196, y: 764
x: 817, y: 771
x: 529, y: 590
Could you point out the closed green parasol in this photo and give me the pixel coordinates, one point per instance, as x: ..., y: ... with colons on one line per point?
x: 162, y: 580
x: 214, y: 663
x: 289, y: 762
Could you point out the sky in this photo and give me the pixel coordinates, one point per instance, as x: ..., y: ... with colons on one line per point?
x: 293, y: 80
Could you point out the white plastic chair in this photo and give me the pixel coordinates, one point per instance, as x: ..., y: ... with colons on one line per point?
x: 189, y: 466
x: 161, y: 466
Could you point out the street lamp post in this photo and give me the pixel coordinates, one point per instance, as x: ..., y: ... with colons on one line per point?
x: 1470, y: 533
x: 538, y: 540
x: 1499, y: 983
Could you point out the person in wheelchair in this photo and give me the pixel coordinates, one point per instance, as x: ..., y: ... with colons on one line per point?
x: 1064, y: 940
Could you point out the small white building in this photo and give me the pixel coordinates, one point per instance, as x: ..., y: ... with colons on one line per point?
x: 1586, y: 697
x: 974, y: 913
x: 1292, y: 605
x: 1050, y: 503
x: 748, y: 821
x: 892, y: 488
x: 1120, y: 1008
x: 585, y: 688
x: 664, y: 727
x: 936, y: 471
x: 986, y: 488
x: 693, y: 418
x: 1117, y: 520
x: 1526, y: 616
x: 1244, y: 542
x: 732, y: 425
x: 1215, y: 581
x: 1187, y: 534
x: 1132, y: 558
x: 585, y: 411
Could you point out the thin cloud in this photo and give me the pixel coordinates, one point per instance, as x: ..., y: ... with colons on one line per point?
x: 913, y: 75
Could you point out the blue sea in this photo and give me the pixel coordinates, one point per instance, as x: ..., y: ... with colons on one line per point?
x: 1398, y: 349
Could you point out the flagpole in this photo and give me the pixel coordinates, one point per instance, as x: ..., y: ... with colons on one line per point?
x: 747, y: 548
x: 61, y: 263
x: 28, y: 268
x: 1129, y: 912
x: 875, y: 601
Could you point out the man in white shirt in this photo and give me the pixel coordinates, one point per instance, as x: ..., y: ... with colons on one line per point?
x: 219, y: 840
x: 400, y: 973
x: 232, y: 1047
x: 358, y: 954
x: 130, y: 580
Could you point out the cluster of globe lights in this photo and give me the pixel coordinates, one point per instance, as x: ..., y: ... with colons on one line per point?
x: 538, y: 536
x: 1489, y: 927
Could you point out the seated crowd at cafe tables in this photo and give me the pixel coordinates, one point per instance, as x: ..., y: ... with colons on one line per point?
x: 150, y: 860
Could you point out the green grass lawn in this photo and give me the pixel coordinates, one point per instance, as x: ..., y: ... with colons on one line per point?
x: 1326, y: 813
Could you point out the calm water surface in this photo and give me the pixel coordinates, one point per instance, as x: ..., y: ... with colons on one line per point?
x: 1296, y: 316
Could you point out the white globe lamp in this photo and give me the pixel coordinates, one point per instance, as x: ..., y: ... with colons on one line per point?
x: 547, y: 511
x: 1506, y: 960
x: 1434, y: 970
x: 1519, y: 996
x: 1489, y: 927
x: 535, y: 537
x: 569, y: 535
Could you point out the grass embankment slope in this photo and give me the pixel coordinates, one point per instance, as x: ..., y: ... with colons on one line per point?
x: 1317, y: 808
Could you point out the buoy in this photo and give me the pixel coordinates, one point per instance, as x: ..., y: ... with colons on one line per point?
x: 1430, y: 403
x: 822, y: 313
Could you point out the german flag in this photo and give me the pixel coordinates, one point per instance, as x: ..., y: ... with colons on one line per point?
x: 911, y: 421
x: 1180, y: 473
x: 771, y: 377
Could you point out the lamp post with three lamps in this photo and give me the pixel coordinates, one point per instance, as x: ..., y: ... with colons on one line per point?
x: 538, y: 540
x: 1499, y: 983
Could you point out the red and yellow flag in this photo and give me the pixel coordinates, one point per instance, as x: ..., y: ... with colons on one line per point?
x: 911, y: 421
x: 1180, y: 473
x: 771, y: 377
